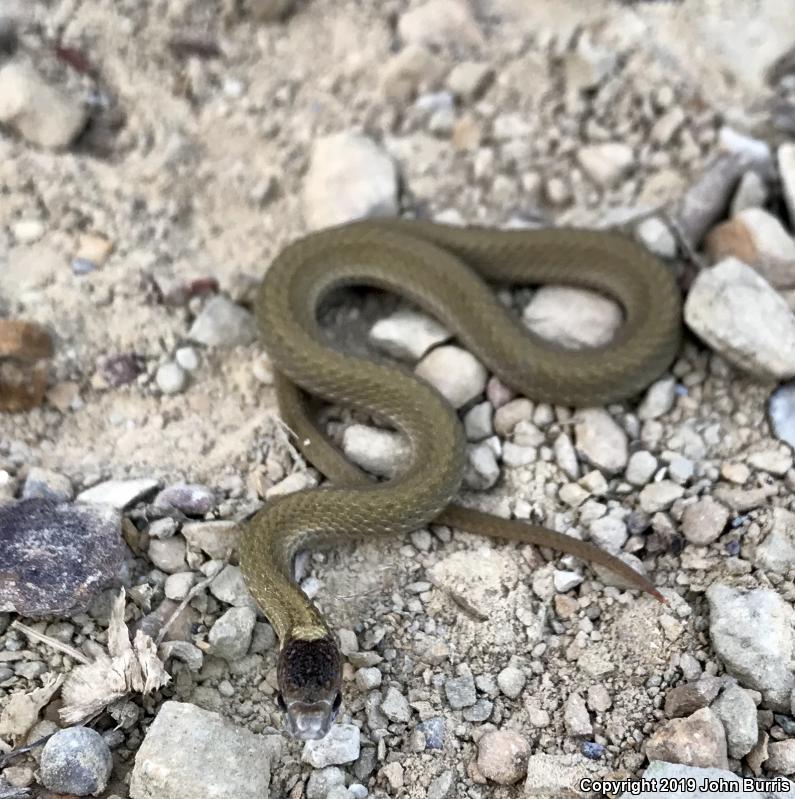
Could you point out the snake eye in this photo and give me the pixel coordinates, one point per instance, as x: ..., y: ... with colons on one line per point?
x: 337, y: 702
x: 280, y: 703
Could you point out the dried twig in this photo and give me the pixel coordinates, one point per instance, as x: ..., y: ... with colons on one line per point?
x: 73, y: 653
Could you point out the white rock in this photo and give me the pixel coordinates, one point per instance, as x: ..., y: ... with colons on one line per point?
x: 168, y: 554
x: 170, y: 378
x: 395, y: 706
x: 297, y: 481
x: 478, y: 421
x: 564, y: 580
x: 230, y: 636
x: 178, y: 585
x: 774, y: 461
x: 382, y: 452
x: 736, y: 312
x: 659, y: 399
x: 656, y: 237
x: 751, y: 632
x: 777, y: 551
x: 118, y: 493
x: 572, y: 317
x: 605, y: 164
x: 368, y: 678
x: 576, y: 718
x: 28, y: 231
x: 566, y: 456
x: 660, y: 496
x: 456, y: 373
x: 751, y: 192
x: 234, y: 761
x: 482, y: 470
x: 704, y: 521
x: 468, y: 79
x: 786, y: 168
x: 600, y: 441
x: 407, y: 335
x: 438, y: 23
x: 230, y: 587
x: 781, y: 409
x: 349, y: 177
x: 609, y: 533
x: 641, y: 467
x: 511, y: 681
x: 737, y: 711
x: 341, y: 745
x: 187, y: 358
x: 223, y: 323
x: 43, y: 114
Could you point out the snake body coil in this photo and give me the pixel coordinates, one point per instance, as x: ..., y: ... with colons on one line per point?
x: 445, y: 271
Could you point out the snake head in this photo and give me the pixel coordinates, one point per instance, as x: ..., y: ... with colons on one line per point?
x: 309, y: 675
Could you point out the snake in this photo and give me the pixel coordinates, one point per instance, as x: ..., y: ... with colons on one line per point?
x: 449, y: 272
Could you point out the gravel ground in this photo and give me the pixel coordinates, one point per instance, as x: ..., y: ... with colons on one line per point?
x: 154, y: 158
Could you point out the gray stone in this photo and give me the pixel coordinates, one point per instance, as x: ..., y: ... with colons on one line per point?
x: 178, y: 585
x: 189, y: 752
x: 381, y: 452
x: 230, y: 587
x: 565, y: 580
x: 460, y: 691
x: 752, y: 634
x: 606, y: 163
x: 511, y: 681
x: 190, y: 499
x: 566, y: 456
x: 223, y: 323
x: 576, y: 717
x: 55, y: 558
x: 608, y: 533
x: 786, y: 168
x: 660, y: 495
x: 657, y: 237
x: 368, y: 678
x: 478, y: 422
x: 704, y: 521
x: 216, y: 539
x: 777, y: 551
x: 737, y: 313
x: 76, y: 761
x: 407, y: 335
x: 676, y: 774
x: 168, y: 554
x: 323, y: 780
x: 230, y: 636
x: 187, y: 358
x: 437, y: 23
x: 119, y: 494
x: 441, y: 786
x: 781, y: 410
x: 469, y: 79
x: 737, y: 711
x: 349, y: 177
x: 395, y: 706
x: 659, y: 399
x: 641, y: 468
x: 781, y: 758
x: 482, y: 470
x: 45, y: 484
x: 556, y: 776
x: 340, y: 746
x: 571, y: 317
x: 45, y: 115
x: 455, y: 373
x: 600, y: 440
x: 171, y: 378
x: 752, y: 192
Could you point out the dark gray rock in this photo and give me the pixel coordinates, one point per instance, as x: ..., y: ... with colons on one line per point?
x: 76, y: 761
x: 55, y: 557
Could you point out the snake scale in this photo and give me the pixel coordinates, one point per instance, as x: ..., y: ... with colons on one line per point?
x: 446, y: 271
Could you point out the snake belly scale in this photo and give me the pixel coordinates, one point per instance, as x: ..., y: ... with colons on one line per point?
x: 445, y: 270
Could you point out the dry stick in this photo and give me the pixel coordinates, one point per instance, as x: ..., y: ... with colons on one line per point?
x: 198, y: 588
x: 73, y: 653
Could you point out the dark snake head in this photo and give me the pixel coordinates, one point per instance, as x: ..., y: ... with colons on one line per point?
x: 309, y: 675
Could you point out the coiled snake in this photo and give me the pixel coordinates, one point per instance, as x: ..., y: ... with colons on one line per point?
x: 444, y: 271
